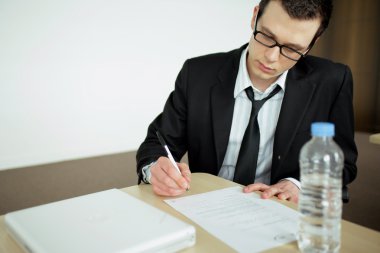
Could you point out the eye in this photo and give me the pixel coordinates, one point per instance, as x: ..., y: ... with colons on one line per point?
x: 265, y: 39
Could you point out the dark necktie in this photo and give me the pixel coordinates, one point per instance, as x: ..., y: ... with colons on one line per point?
x: 245, y: 169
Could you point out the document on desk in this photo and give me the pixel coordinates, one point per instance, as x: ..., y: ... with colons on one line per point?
x: 243, y: 221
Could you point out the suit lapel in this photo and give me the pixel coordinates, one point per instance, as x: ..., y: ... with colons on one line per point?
x: 222, y: 104
x: 298, y: 93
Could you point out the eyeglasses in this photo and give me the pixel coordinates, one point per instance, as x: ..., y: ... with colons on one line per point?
x: 268, y: 41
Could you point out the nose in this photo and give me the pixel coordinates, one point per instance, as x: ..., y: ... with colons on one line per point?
x: 272, y: 54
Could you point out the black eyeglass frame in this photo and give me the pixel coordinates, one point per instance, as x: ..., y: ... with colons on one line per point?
x: 276, y: 44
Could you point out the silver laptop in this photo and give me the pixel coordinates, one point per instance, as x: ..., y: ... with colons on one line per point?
x: 104, y: 222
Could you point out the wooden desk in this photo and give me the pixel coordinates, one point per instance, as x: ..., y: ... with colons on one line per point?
x: 375, y: 138
x: 355, y: 238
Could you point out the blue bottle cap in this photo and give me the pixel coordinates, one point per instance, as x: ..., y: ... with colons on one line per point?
x: 322, y: 129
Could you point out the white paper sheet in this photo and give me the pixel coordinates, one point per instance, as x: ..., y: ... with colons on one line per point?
x: 243, y: 221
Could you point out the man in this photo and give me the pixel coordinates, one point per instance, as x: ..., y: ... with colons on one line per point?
x: 208, y: 114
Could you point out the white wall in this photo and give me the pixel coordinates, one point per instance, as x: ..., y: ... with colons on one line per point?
x: 80, y: 78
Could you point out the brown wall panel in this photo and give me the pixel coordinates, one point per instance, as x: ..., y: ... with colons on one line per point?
x: 353, y: 38
x: 31, y: 186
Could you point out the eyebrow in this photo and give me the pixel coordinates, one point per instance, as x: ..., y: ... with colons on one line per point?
x: 291, y: 45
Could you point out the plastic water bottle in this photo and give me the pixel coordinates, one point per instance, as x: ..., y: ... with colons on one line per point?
x: 320, y: 201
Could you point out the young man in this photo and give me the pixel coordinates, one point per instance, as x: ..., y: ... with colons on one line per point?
x: 208, y: 114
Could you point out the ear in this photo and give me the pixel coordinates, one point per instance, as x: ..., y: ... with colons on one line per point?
x: 255, y: 12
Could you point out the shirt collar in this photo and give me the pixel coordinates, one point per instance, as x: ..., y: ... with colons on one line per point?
x: 243, y: 81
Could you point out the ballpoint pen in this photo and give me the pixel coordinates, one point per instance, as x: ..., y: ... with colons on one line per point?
x: 163, y: 143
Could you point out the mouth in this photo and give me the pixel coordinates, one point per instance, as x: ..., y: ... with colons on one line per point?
x: 265, y: 68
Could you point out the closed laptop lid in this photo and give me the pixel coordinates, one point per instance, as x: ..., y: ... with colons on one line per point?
x: 109, y: 221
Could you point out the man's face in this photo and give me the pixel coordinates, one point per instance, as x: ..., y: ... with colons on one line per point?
x: 266, y: 64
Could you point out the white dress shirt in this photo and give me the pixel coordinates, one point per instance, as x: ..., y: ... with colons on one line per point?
x: 267, y: 119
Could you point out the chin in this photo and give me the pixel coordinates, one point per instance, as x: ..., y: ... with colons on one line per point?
x: 265, y: 76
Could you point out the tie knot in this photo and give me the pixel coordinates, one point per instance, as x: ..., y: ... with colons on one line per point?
x: 251, y: 94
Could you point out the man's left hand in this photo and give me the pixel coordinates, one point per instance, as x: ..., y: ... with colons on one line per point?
x: 284, y: 190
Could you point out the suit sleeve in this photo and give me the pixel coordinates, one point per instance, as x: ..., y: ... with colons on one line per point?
x: 342, y: 116
x: 172, y: 123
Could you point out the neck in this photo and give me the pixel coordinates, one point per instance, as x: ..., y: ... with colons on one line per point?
x: 261, y: 84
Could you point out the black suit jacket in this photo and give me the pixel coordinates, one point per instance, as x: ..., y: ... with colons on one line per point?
x: 197, y: 116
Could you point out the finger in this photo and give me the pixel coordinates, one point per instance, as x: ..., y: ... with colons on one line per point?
x: 168, y: 193
x: 290, y: 191
x: 270, y: 192
x: 294, y: 199
x: 159, y: 175
x: 185, y: 171
x: 255, y: 187
x: 171, y: 175
x: 163, y: 190
x: 165, y: 183
x: 176, y: 176
x: 284, y: 196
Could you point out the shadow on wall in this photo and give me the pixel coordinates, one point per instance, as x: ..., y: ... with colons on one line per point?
x: 364, y: 205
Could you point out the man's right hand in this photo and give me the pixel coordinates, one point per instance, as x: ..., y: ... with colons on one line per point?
x: 165, y: 179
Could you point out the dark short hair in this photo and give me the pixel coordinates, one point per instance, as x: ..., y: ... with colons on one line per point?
x: 305, y: 10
